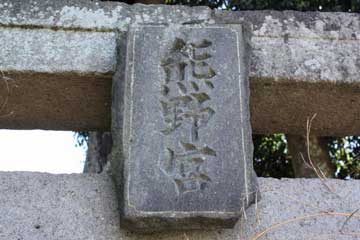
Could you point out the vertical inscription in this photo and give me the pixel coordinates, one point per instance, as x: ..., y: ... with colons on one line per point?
x: 185, y: 101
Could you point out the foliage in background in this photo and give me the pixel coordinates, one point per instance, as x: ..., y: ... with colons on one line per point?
x: 345, y: 152
x: 81, y: 138
x: 299, y: 5
x: 270, y: 156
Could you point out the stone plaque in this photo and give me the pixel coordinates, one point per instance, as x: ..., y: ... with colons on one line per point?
x: 186, y: 151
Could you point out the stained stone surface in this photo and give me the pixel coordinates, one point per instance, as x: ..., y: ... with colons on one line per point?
x: 186, y: 161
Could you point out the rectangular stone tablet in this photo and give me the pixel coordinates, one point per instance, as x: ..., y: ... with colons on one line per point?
x: 183, y: 142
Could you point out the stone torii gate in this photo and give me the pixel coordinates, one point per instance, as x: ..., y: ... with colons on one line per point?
x: 58, y: 63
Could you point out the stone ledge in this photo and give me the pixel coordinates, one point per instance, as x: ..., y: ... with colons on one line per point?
x: 301, y: 63
x: 40, y: 206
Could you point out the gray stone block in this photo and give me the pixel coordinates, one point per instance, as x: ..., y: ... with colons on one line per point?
x: 186, y: 140
x: 41, y: 206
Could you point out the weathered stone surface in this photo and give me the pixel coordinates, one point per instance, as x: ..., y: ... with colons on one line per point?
x: 38, y: 206
x: 86, y: 52
x: 187, y: 147
x: 301, y: 63
x: 297, y: 209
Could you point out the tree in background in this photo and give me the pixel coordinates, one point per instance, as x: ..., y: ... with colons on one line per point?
x: 276, y: 155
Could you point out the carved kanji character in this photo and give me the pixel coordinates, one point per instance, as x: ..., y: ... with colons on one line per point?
x: 185, y: 167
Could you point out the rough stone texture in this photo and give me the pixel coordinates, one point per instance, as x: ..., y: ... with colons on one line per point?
x: 86, y: 52
x: 38, y: 206
x: 44, y: 206
x: 302, y: 63
x: 295, y: 209
x: 191, y: 172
